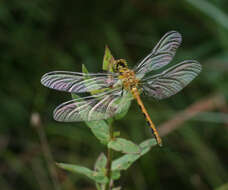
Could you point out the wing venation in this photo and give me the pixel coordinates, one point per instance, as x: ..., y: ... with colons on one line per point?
x: 98, y: 107
x: 172, y: 80
x: 75, y: 82
x: 161, y: 55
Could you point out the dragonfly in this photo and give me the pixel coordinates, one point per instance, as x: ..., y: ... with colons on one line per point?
x: 113, y: 91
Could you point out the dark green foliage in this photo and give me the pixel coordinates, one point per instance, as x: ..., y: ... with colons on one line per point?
x: 44, y: 35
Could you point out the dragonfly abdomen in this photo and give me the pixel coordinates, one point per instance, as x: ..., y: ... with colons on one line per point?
x: 147, y: 121
x: 135, y: 93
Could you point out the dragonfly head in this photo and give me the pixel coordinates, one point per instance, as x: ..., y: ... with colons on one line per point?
x: 120, y: 65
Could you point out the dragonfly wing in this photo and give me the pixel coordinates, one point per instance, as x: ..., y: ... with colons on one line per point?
x: 78, y: 82
x: 161, y: 55
x: 102, y: 106
x: 172, y: 80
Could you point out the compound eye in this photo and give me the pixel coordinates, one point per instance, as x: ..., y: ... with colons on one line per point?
x: 121, y: 65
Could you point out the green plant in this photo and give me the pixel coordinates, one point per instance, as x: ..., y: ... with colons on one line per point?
x: 107, y: 169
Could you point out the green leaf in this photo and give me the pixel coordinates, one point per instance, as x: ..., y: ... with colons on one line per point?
x: 127, y: 160
x: 100, y: 129
x: 95, y: 176
x: 115, y: 174
x: 99, y: 178
x: 101, y: 162
x: 125, y: 146
x: 108, y: 60
x: 98, y: 186
x: 117, y: 188
x: 147, y: 145
x: 84, y: 69
x: 74, y: 96
x: 125, y: 109
x: 116, y: 133
x: 124, y: 162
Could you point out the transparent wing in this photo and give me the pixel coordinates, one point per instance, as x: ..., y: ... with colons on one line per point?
x: 78, y: 82
x: 172, y: 80
x: 93, y: 108
x: 161, y: 55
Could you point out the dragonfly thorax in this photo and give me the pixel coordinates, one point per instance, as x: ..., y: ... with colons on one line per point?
x: 128, y: 78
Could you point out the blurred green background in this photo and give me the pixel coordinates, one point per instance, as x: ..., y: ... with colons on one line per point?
x: 38, y: 36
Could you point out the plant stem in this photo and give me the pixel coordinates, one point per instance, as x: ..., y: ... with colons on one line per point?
x: 109, y: 161
x: 36, y: 122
